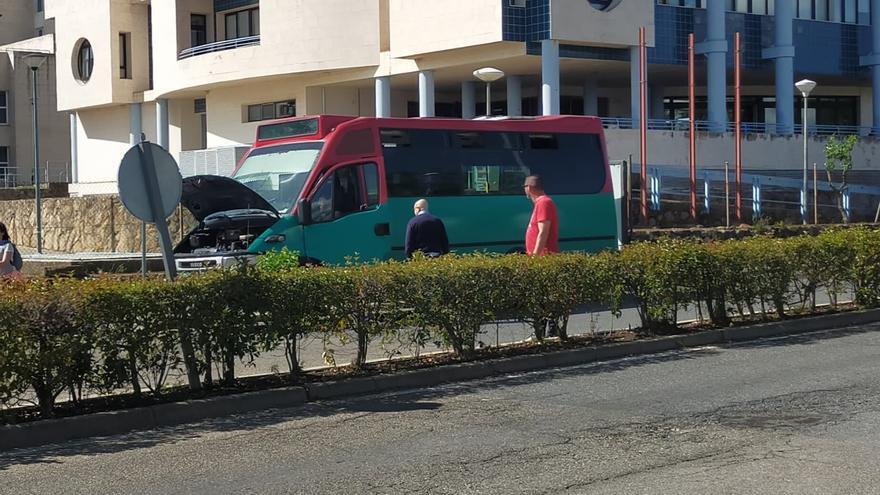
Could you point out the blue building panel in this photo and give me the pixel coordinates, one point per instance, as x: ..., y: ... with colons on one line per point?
x: 221, y: 5
x: 822, y: 48
x: 529, y: 23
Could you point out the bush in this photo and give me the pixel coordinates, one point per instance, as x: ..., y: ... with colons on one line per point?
x: 51, y: 345
x: 110, y: 333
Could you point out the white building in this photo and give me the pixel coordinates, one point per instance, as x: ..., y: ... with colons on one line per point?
x: 200, y: 74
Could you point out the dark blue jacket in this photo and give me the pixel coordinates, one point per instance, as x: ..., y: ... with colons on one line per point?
x: 426, y: 233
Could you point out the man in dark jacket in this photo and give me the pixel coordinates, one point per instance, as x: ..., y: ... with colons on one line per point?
x: 425, y: 232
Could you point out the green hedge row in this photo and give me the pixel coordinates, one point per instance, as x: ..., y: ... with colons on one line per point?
x: 107, y: 334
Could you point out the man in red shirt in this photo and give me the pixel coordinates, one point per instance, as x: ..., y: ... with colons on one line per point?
x: 542, y: 236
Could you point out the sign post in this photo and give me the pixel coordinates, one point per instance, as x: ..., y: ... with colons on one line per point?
x: 150, y: 186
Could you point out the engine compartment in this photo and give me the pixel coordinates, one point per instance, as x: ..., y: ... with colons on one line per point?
x: 226, y: 232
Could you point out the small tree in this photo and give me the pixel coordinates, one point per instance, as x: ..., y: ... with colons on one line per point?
x: 838, y: 155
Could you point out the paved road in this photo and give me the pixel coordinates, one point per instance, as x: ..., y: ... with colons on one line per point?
x: 792, y: 415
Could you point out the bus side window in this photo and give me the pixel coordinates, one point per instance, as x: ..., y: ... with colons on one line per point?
x: 347, y: 191
x: 322, y: 202
x: 371, y: 181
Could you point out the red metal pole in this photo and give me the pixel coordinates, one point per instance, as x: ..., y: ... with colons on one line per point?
x: 738, y: 133
x: 643, y: 124
x: 692, y: 127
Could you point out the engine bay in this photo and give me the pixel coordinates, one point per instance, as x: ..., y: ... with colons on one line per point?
x: 226, y: 232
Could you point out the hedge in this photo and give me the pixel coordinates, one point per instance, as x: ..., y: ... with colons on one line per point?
x: 107, y: 334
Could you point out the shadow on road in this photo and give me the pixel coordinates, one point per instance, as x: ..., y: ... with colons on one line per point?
x: 403, y: 401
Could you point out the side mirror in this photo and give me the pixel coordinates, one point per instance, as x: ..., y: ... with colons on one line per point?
x: 304, y: 211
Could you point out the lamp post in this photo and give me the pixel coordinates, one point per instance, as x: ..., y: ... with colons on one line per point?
x: 34, y: 62
x: 805, y: 86
x: 488, y: 75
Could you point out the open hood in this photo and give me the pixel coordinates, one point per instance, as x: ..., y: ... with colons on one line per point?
x: 206, y: 194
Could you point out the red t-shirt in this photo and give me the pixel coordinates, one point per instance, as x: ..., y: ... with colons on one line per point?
x: 544, y: 211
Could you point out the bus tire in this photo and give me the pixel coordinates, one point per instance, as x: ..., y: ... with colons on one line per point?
x: 307, y: 261
x: 517, y: 250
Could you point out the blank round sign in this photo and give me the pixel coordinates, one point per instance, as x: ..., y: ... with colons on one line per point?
x: 133, y: 188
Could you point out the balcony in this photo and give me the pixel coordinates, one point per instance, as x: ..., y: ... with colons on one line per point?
x: 218, y: 46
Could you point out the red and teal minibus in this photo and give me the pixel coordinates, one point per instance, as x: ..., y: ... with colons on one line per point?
x: 335, y: 188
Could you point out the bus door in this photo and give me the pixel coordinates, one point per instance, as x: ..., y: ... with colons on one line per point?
x: 343, y: 218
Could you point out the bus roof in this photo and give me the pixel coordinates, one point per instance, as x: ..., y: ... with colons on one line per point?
x: 317, y: 127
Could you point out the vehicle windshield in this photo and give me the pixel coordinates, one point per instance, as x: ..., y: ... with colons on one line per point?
x: 277, y: 173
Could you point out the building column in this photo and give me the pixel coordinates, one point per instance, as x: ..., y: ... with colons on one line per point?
x: 426, y: 93
x: 135, y: 128
x: 74, y: 153
x: 468, y: 100
x: 782, y: 52
x: 591, y: 97
x: 873, y: 61
x: 514, y: 96
x: 383, y: 96
x: 655, y: 103
x: 550, y: 77
x: 715, y: 49
x: 634, y: 93
x: 162, y: 122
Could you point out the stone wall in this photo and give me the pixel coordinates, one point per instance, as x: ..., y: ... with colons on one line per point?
x: 85, y: 224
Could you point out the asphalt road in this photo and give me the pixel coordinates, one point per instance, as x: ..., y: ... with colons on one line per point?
x: 797, y: 415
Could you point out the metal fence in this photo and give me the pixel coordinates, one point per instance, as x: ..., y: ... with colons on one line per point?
x: 50, y: 171
x: 745, y: 127
x: 769, y: 195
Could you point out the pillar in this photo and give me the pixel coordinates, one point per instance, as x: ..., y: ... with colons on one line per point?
x: 655, y: 103
x: 383, y: 96
x: 782, y: 52
x: 514, y: 96
x: 550, y: 77
x: 135, y: 128
x: 74, y: 153
x: 873, y: 61
x: 634, y: 95
x: 591, y: 97
x: 426, y: 93
x: 468, y: 100
x: 715, y: 49
x: 162, y: 122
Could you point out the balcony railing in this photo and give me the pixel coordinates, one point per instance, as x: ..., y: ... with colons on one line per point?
x: 746, y: 127
x: 218, y: 46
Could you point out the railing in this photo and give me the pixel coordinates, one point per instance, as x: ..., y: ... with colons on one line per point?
x: 670, y: 183
x: 746, y: 127
x: 218, y: 46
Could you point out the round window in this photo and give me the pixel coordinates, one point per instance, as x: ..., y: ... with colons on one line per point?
x: 604, y: 5
x: 83, y: 61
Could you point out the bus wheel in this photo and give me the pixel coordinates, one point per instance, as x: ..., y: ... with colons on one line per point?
x: 517, y: 250
x: 306, y: 261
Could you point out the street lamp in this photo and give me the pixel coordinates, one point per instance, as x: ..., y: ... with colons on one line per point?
x: 488, y: 75
x: 35, y: 61
x: 805, y: 86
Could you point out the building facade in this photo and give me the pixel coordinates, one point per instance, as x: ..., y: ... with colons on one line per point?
x: 25, y: 37
x: 198, y: 76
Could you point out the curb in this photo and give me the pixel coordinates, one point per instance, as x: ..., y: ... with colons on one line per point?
x: 145, y: 418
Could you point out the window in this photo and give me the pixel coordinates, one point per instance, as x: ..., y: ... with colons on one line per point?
x: 4, y: 108
x: 4, y: 163
x: 269, y: 111
x: 39, y: 5
x: 456, y: 163
x: 242, y: 24
x: 341, y: 193
x: 200, y: 105
x: 84, y: 61
x: 371, y: 182
x: 198, y: 29
x: 125, y: 55
x: 278, y: 173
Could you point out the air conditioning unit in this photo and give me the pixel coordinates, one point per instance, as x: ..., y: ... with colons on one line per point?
x: 212, y: 161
